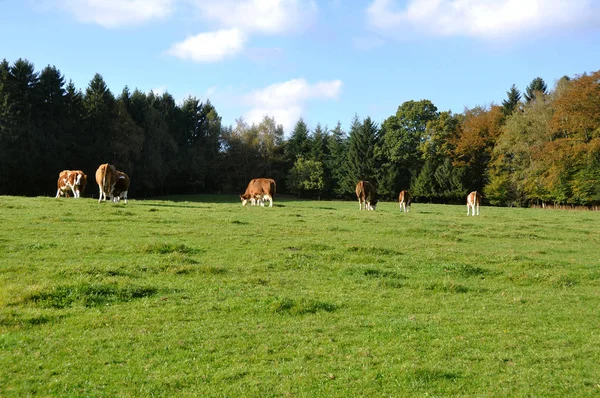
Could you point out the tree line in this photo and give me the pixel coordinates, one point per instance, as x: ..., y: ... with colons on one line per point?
x: 539, y: 146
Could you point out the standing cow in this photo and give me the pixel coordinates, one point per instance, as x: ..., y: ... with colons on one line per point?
x: 404, y: 200
x: 121, y: 187
x: 259, y: 189
x: 71, y: 181
x: 106, y: 178
x: 367, y: 196
x: 473, y: 202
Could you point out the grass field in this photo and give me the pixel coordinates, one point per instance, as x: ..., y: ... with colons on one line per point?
x: 198, y: 296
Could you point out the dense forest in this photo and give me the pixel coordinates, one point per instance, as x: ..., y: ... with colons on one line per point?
x: 540, y: 146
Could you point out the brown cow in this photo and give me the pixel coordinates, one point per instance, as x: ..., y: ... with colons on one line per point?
x: 473, y: 202
x: 404, y: 200
x: 71, y: 181
x: 106, y: 178
x: 367, y: 196
x: 121, y: 187
x: 259, y: 189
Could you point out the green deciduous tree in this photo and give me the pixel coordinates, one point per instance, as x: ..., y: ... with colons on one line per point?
x: 306, y: 178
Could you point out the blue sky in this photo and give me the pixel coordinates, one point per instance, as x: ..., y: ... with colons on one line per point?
x: 324, y: 60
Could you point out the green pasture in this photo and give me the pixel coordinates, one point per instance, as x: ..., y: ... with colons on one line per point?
x: 201, y: 297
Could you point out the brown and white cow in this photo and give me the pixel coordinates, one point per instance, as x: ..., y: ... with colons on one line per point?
x: 121, y: 187
x: 71, y: 181
x: 367, y: 196
x: 258, y: 190
x: 106, y: 178
x: 473, y: 202
x: 404, y: 200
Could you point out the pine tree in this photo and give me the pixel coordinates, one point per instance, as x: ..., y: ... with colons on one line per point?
x: 298, y: 144
x: 510, y: 104
x: 337, y: 147
x: 360, y: 161
x: 24, y: 150
x: 537, y: 85
x: 98, y: 127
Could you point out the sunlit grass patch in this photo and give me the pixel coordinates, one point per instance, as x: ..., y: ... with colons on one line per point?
x: 300, y: 306
x: 88, y: 295
x: 167, y: 248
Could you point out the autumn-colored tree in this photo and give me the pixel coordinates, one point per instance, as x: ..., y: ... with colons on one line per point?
x: 577, y: 109
x: 477, y: 134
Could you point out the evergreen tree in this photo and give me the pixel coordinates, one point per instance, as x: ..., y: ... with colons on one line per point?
x: 23, y: 149
x: 318, y: 144
x: 50, y: 127
x: 298, y: 144
x: 536, y: 86
x: 510, y: 104
x: 360, y: 162
x: 337, y: 147
x: 98, y: 124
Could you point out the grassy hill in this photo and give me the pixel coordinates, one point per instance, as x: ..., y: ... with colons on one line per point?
x: 199, y: 296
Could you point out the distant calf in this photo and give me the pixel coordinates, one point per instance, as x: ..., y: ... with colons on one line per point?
x: 106, y: 178
x: 259, y: 190
x: 404, y: 200
x: 121, y: 187
x: 366, y: 195
x: 473, y: 203
x: 71, y: 181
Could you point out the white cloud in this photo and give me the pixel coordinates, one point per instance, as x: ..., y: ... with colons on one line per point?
x: 237, y: 20
x: 286, y: 101
x: 264, y: 16
x: 209, y: 46
x: 488, y: 19
x: 116, y: 13
x: 160, y: 90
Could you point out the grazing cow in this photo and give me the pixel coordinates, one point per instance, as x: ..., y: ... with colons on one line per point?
x: 473, y: 202
x: 106, y: 178
x: 258, y: 190
x: 121, y: 187
x: 367, y: 196
x: 71, y: 181
x: 404, y: 200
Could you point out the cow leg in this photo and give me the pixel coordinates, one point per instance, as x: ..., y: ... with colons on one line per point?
x: 477, y: 209
x: 58, y: 193
x: 125, y: 196
x: 467, y: 209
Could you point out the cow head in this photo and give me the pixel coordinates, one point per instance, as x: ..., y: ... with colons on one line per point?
x: 372, y: 204
x: 244, y: 199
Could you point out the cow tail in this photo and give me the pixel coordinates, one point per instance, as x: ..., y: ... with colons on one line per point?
x: 104, y: 180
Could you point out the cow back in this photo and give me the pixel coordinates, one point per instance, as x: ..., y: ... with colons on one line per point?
x: 122, y: 183
x: 474, y: 198
x: 106, y: 176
